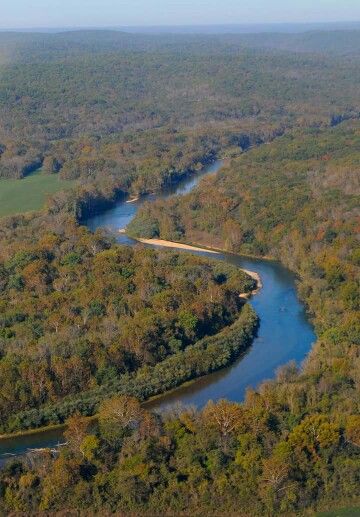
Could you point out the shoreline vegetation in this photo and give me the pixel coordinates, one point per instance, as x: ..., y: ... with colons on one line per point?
x: 29, y: 432
x: 93, y: 199
x: 190, y: 247
x: 246, y: 296
x: 145, y: 403
x: 206, y: 356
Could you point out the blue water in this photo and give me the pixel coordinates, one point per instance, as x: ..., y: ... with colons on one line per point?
x: 119, y: 216
x: 285, y: 333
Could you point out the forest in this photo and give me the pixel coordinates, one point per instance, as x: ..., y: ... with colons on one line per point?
x: 78, y: 313
x: 109, y: 106
x: 89, y: 328
x: 297, y: 200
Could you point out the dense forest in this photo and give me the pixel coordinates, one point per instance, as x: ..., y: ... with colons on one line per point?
x: 77, y: 313
x: 297, y: 200
x: 82, y: 104
x: 91, y: 328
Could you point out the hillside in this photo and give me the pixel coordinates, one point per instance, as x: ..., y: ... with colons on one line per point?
x: 78, y: 102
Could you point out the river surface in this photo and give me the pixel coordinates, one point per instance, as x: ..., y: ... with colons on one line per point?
x: 285, y: 333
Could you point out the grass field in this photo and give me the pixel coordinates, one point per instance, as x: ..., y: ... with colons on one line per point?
x: 343, y: 512
x: 30, y: 193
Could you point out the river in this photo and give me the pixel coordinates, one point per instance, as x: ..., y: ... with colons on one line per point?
x: 285, y: 333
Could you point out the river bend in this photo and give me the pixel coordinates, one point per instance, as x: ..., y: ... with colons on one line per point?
x: 285, y: 333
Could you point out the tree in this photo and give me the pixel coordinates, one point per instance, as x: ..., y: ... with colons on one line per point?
x: 75, y: 433
x: 352, y: 430
x: 226, y: 417
x: 122, y: 411
x: 314, y: 433
x: 118, y: 417
x: 89, y: 446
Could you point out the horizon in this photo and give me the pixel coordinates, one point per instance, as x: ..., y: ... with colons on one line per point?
x: 54, y: 14
x: 186, y: 28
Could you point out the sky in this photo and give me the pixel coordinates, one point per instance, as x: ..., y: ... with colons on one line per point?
x: 110, y: 13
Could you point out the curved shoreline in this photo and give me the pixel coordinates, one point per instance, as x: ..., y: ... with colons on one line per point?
x: 158, y: 243
x: 200, y: 248
x: 224, y: 339
x: 178, y: 245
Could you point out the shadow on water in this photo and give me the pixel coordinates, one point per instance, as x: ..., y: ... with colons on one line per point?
x: 284, y: 334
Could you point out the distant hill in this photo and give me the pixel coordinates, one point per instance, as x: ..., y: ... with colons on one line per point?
x: 41, y: 45
x: 57, y: 90
x: 249, y: 28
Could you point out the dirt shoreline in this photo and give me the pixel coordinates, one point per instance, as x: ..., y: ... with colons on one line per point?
x: 179, y: 245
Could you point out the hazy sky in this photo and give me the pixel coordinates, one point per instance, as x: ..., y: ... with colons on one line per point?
x: 68, y: 13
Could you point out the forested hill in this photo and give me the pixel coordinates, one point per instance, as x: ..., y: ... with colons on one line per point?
x: 31, y: 45
x: 75, y: 102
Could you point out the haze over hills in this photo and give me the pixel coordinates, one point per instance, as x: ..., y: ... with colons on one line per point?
x: 208, y: 29
x: 335, y: 41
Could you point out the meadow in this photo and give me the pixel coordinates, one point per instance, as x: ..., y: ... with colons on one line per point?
x: 30, y: 193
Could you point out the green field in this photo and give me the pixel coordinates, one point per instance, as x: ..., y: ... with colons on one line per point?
x: 30, y: 193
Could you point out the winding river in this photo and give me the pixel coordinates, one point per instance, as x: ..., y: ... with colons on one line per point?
x: 285, y: 333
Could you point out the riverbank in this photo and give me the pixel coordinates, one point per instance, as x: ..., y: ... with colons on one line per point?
x: 255, y: 276
x: 205, y: 356
x: 30, y: 432
x: 257, y: 362
x: 178, y: 245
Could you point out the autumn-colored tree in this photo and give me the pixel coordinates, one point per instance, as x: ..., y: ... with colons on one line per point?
x: 352, y: 430
x: 89, y: 447
x: 122, y: 411
x: 76, y: 432
x: 223, y: 416
x: 314, y: 433
x: 118, y: 416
